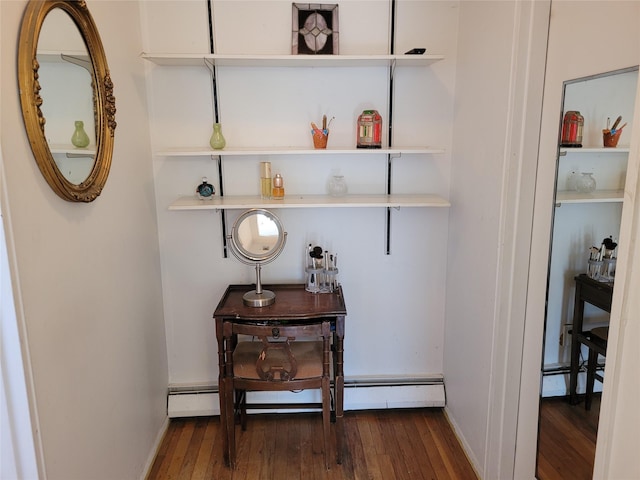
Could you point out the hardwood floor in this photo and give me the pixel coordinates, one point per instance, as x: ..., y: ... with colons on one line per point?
x: 567, y: 440
x: 385, y: 445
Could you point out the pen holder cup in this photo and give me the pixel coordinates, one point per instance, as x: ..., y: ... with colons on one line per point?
x: 609, y: 267
x: 315, y: 279
x: 320, y: 138
x: 594, y: 269
x: 610, y: 140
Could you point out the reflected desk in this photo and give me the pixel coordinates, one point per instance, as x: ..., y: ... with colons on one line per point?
x: 293, y: 304
x: 595, y: 293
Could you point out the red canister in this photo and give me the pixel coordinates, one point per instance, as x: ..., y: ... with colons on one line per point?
x: 572, y: 126
x: 369, y: 130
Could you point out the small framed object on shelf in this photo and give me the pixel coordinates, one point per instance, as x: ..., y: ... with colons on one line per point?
x: 315, y: 29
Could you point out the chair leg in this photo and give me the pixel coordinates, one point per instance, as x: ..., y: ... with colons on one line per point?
x: 326, y: 419
x: 592, y: 363
x: 230, y: 421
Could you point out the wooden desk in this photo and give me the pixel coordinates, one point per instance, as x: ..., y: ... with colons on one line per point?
x: 293, y: 304
x: 598, y: 294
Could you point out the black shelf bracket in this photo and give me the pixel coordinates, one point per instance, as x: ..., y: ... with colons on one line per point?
x: 216, y: 118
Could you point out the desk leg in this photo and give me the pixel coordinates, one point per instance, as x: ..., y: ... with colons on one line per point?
x: 339, y: 389
x: 229, y: 399
x: 578, y: 317
x: 221, y: 391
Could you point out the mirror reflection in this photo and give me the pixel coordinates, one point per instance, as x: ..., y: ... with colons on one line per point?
x: 258, y: 235
x: 67, y: 95
x: 590, y: 179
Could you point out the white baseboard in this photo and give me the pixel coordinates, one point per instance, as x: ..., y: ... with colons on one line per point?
x: 154, y: 451
x: 558, y: 385
x: 358, y: 395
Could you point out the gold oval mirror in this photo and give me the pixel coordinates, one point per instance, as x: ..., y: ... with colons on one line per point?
x: 67, y: 97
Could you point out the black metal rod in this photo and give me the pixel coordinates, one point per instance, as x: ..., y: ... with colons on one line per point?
x: 392, y: 42
x: 216, y: 119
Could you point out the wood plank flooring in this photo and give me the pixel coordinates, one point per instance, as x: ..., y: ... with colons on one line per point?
x: 402, y: 444
x: 567, y: 439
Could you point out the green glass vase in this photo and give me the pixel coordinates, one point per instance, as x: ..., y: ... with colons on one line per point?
x: 217, y: 140
x: 80, y: 138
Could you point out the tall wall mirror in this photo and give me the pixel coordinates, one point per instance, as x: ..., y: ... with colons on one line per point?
x: 67, y: 99
x: 589, y: 187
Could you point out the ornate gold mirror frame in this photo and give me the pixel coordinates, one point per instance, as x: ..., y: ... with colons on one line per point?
x: 31, y: 101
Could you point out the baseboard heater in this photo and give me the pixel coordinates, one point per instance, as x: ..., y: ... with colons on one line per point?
x: 361, y: 393
x: 555, y: 380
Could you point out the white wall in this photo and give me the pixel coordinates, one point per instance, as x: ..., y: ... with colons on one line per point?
x: 88, y: 278
x: 603, y: 21
x: 395, y: 303
x: 498, y: 96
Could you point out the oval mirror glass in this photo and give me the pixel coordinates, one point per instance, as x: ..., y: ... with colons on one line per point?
x: 66, y: 95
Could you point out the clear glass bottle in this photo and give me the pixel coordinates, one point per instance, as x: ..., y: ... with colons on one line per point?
x: 336, y: 186
x: 217, y: 140
x: 80, y: 139
x: 277, y: 193
x: 572, y: 180
x: 586, y: 183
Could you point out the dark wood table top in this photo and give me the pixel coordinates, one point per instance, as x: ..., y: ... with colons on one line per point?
x: 584, y: 278
x: 292, y: 302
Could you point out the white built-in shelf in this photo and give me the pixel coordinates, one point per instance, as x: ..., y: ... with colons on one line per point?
x: 250, y: 151
x: 564, y: 151
x: 599, y: 196
x: 186, y: 60
x: 234, y: 202
x: 70, y: 150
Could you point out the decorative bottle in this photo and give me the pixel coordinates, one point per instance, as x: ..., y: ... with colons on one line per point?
x: 369, y: 130
x: 278, y: 187
x: 217, y: 140
x: 205, y: 189
x: 572, y: 126
x: 80, y: 138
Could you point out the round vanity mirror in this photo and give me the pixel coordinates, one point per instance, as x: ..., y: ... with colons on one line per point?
x: 257, y: 238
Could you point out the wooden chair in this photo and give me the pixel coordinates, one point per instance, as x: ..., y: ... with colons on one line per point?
x: 282, y: 358
x: 596, y: 341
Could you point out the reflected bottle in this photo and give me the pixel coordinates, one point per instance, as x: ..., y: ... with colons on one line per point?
x: 217, y: 140
x: 80, y: 139
x: 586, y: 183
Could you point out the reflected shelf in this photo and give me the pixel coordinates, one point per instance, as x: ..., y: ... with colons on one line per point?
x: 250, y: 151
x: 70, y: 150
x: 564, y: 151
x: 599, y: 196
x: 53, y: 56
x: 234, y: 202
